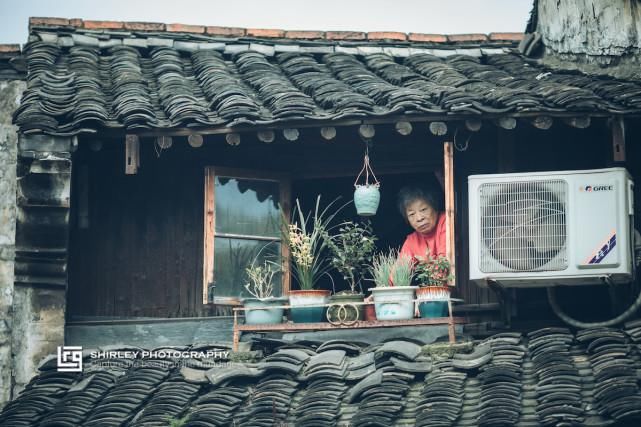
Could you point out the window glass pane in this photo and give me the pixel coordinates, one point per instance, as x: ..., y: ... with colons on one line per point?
x: 248, y: 207
x: 232, y: 256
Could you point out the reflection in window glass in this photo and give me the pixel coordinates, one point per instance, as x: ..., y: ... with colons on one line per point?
x: 232, y: 256
x: 247, y: 207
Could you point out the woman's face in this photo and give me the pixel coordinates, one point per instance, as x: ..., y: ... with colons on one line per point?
x: 421, y: 216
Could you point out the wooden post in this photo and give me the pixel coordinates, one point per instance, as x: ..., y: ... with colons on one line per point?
x: 448, y: 166
x: 450, y: 325
x: 236, y: 337
x: 132, y: 154
x: 208, y: 245
x: 618, y: 139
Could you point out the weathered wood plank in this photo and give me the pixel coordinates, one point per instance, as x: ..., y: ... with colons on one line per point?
x: 132, y: 154
x: 618, y: 139
x: 448, y: 167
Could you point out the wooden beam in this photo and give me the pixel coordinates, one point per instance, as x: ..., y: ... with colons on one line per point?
x: 266, y: 136
x: 427, y: 117
x: 448, y: 168
x: 291, y: 134
x: 581, y: 122
x: 195, y: 140
x: 507, y: 123
x: 542, y: 122
x: 403, y: 127
x: 209, y: 223
x: 438, y: 128
x: 233, y: 139
x: 132, y: 154
x: 618, y: 139
x: 328, y: 132
x: 366, y: 131
x: 473, y: 125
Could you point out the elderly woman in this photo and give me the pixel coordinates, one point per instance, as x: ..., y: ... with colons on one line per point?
x: 422, y: 211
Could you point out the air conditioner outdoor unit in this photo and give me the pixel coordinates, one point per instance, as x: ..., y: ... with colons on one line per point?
x: 551, y: 228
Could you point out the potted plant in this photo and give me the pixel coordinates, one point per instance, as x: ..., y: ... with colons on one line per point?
x: 309, y: 263
x: 351, y: 251
x: 393, y: 294
x: 260, y: 309
x: 367, y: 196
x: 433, y: 274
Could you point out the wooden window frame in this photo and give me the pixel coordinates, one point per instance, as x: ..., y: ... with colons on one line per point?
x: 210, y: 234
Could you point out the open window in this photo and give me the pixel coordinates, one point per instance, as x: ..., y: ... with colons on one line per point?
x: 244, y: 211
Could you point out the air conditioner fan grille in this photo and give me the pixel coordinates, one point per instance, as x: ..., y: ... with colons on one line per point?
x: 523, y: 226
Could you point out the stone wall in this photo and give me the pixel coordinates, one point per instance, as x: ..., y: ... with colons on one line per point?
x: 10, y: 93
x: 42, y: 234
x: 598, y: 36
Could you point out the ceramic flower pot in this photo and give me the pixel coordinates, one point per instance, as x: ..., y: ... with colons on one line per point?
x: 394, y: 302
x: 299, y: 299
x: 261, y: 312
x: 343, y: 311
x: 366, y: 199
x: 433, y: 301
x: 370, y: 312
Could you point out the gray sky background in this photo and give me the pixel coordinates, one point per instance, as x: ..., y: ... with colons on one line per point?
x: 422, y: 16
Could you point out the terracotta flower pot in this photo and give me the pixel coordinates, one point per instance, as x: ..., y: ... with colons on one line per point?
x: 370, y: 312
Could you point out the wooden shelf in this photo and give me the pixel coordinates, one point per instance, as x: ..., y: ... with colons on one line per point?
x: 321, y: 326
x: 450, y: 321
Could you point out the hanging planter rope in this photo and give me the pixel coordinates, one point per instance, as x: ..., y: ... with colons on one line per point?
x: 367, y: 196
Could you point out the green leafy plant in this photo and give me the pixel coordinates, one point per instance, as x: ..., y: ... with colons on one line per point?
x: 260, y: 279
x: 433, y: 271
x: 305, y: 238
x: 391, y: 269
x: 351, y: 251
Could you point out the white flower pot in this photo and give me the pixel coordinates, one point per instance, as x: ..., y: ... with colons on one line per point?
x: 394, y: 302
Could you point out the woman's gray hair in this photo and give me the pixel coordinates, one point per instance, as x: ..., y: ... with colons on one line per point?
x: 409, y: 194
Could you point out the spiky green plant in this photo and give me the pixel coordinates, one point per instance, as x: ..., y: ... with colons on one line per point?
x: 304, y: 236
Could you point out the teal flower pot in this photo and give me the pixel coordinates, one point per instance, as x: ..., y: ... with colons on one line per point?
x: 366, y: 199
x: 433, y: 301
x: 433, y: 309
x: 299, y: 299
x: 261, y: 313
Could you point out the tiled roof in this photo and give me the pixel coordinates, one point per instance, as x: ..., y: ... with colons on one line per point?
x: 549, y: 377
x: 87, y: 75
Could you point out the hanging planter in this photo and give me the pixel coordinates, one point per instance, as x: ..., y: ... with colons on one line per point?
x: 367, y: 195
